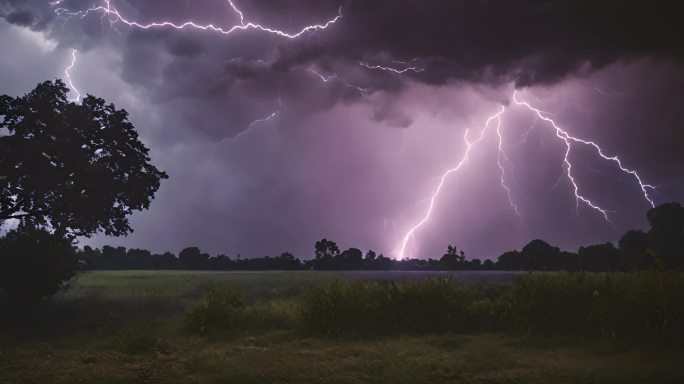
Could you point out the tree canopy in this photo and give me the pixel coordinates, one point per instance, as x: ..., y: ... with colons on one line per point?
x: 76, y: 168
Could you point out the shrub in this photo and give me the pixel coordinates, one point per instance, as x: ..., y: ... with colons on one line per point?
x: 34, y: 263
x: 626, y: 306
x: 371, y: 308
x: 553, y: 302
x: 219, y: 311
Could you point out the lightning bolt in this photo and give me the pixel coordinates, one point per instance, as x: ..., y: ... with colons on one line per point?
x: 328, y: 78
x: 114, y: 16
x: 502, y: 154
x: 67, y: 74
x: 563, y: 135
x: 272, y: 116
x: 442, y: 180
x: 569, y: 139
x: 391, y: 69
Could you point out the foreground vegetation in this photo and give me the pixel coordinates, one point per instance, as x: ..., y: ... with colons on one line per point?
x: 185, y: 327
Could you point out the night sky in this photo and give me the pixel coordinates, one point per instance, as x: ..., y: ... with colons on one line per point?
x: 356, y: 123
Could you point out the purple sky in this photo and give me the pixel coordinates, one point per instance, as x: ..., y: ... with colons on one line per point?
x: 360, y: 167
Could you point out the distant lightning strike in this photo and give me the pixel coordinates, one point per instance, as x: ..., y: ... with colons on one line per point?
x: 502, y: 154
x: 391, y: 69
x: 115, y: 16
x: 272, y: 116
x: 442, y: 180
x: 67, y: 74
x: 568, y: 139
x: 563, y: 135
x: 333, y: 77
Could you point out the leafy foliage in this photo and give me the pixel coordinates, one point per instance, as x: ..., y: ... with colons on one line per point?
x: 34, y: 263
x: 77, y: 168
x: 371, y: 308
x: 219, y: 311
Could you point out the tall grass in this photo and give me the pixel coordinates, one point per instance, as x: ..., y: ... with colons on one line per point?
x: 616, y: 305
x: 362, y: 308
x: 626, y: 306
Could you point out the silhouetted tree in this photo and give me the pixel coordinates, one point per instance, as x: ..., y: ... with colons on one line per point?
x: 599, y: 257
x: 667, y: 233
x: 76, y: 168
x: 69, y: 169
x: 453, y: 259
x: 325, y: 249
x: 114, y: 258
x: 370, y: 255
x: 634, y: 245
x: 351, y: 258
x: 139, y: 258
x: 537, y: 255
x: 193, y: 258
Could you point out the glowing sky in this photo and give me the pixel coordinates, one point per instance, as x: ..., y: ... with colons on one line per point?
x: 275, y: 135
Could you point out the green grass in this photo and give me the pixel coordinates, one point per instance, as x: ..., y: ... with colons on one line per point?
x: 130, y: 327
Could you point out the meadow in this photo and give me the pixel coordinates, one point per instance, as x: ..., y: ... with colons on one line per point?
x: 350, y: 327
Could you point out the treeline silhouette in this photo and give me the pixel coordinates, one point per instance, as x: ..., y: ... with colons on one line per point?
x: 661, y: 247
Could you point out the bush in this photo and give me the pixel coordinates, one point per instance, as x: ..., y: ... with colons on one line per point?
x: 371, y: 308
x: 219, y: 311
x: 625, y: 306
x: 621, y: 306
x: 34, y: 263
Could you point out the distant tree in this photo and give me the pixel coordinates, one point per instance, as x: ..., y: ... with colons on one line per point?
x: 326, y: 249
x: 599, y: 257
x: 488, y: 265
x: 370, y: 255
x: 114, y: 258
x: 475, y: 265
x: 193, y: 258
x: 667, y: 233
x: 139, y: 258
x: 167, y: 260
x: 634, y: 245
x: 452, y: 259
x: 509, y: 261
x: 352, y: 256
x: 287, y: 256
x: 537, y: 255
x: 220, y: 262
x: 91, y: 257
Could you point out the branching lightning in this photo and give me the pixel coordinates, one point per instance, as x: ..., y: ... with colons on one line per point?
x: 333, y: 77
x: 469, y: 145
x: 114, y: 16
x: 109, y: 13
x: 392, y: 69
x: 67, y: 74
x: 565, y: 136
x: 502, y: 154
x: 561, y: 134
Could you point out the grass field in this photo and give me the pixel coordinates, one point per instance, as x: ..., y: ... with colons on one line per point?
x: 127, y: 327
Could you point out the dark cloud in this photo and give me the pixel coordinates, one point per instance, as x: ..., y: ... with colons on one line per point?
x: 23, y: 18
x: 353, y: 155
x: 529, y: 42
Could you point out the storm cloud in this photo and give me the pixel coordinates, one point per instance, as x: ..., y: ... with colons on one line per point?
x: 353, y: 155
